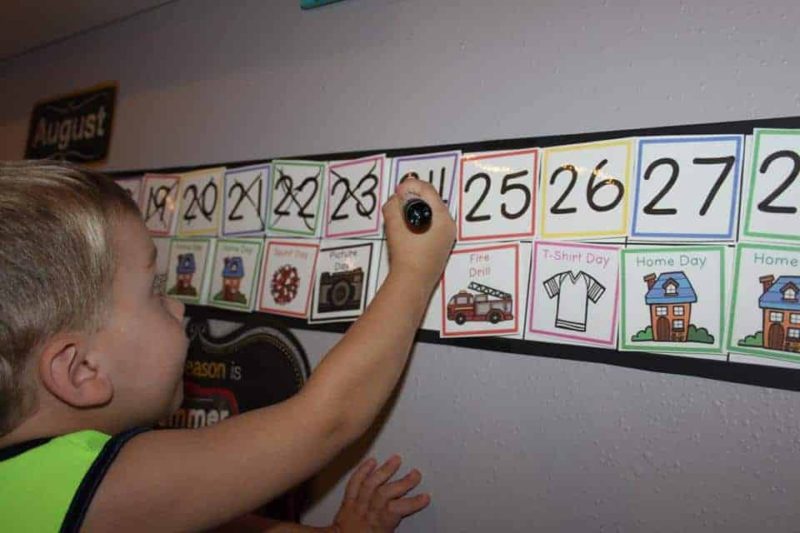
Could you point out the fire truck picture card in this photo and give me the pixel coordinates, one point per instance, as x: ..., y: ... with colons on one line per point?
x: 244, y: 204
x: 200, y: 202
x: 162, y: 245
x: 771, y: 209
x: 296, y: 195
x: 354, y: 197
x: 673, y: 300
x: 497, y: 195
x: 687, y: 188
x: 585, y: 190
x: 159, y: 203
x: 234, y: 275
x: 574, y: 294
x: 189, y: 270
x: 439, y: 169
x: 133, y: 186
x: 343, y: 280
x: 481, y: 290
x: 765, y: 313
x: 287, y: 277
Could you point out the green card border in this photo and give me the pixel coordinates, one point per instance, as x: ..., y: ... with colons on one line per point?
x: 238, y: 307
x: 207, y: 240
x: 295, y: 163
x: 623, y: 343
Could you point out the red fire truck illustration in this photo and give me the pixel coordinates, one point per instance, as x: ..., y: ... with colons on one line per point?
x: 490, y: 305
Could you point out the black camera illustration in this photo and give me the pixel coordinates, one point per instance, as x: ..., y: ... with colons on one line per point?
x: 340, y: 291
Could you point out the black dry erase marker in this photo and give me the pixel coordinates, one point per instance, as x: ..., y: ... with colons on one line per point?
x: 418, y: 215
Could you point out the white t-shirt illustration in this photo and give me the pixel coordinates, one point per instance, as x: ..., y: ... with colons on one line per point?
x: 574, y: 292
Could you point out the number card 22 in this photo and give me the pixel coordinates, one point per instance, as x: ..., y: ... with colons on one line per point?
x: 295, y: 198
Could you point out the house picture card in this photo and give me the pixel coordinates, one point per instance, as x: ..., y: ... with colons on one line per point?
x: 343, y: 280
x: 687, y: 187
x: 355, y: 195
x: 673, y: 299
x: 159, y: 203
x: 200, y: 202
x: 296, y: 198
x: 287, y: 277
x: 497, y: 195
x: 234, y: 277
x: 765, y: 313
x: 773, y: 192
x: 189, y: 271
x: 439, y: 169
x: 574, y: 294
x: 483, y: 290
x: 585, y: 190
x: 244, y: 204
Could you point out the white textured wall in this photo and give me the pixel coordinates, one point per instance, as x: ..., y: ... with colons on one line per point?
x: 506, y: 443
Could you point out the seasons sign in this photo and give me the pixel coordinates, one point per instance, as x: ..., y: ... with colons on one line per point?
x: 75, y: 127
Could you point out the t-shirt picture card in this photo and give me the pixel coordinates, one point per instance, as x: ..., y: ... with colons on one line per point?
x: 687, y: 188
x: 190, y: 269
x: 354, y: 197
x: 159, y: 203
x: 574, y: 294
x: 234, y: 278
x: 497, y: 195
x: 200, y: 202
x: 343, y: 278
x: 287, y: 277
x: 296, y: 194
x: 765, y: 314
x: 771, y: 210
x: 585, y: 190
x: 439, y: 169
x: 673, y: 300
x: 481, y: 291
x: 244, y: 205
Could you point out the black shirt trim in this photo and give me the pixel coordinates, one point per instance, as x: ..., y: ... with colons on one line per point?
x: 22, y: 447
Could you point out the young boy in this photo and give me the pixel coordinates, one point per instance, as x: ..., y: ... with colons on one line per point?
x: 90, y: 355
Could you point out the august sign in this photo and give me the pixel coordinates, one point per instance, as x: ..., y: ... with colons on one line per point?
x: 75, y: 127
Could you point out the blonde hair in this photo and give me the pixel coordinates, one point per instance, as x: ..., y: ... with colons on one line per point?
x: 56, y: 264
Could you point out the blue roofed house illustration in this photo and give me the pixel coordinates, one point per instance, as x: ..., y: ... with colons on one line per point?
x: 781, y: 308
x: 670, y: 297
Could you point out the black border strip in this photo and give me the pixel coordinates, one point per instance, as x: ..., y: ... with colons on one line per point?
x: 750, y: 374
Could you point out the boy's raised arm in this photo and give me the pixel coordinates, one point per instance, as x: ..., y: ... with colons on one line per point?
x: 196, y: 479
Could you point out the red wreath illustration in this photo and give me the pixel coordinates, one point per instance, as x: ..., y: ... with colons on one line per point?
x: 285, y: 282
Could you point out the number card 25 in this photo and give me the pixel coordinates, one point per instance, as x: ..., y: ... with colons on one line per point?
x: 584, y: 189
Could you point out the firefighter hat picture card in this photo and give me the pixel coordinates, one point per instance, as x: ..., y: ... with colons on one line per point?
x: 189, y: 271
x: 673, y: 299
x: 483, y: 290
x: 287, y: 276
x: 343, y: 280
x: 574, y: 294
x: 765, y: 312
x: 234, y: 274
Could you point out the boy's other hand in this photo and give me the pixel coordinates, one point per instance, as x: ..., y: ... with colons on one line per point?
x: 420, y: 256
x: 373, y: 503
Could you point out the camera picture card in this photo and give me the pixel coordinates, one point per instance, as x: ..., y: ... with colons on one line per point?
x: 296, y: 197
x: 287, y: 277
x: 497, y: 195
x: 585, y: 190
x: 343, y: 280
x: 673, y: 300
x: 439, y: 169
x: 483, y: 290
x: 773, y: 192
x: 200, y: 202
x: 765, y: 312
x: 354, y: 197
x: 687, y: 188
x: 162, y: 245
x: 244, y: 203
x: 235, y: 274
x: 189, y: 272
x: 574, y: 294
x: 160, y: 203
x: 133, y: 186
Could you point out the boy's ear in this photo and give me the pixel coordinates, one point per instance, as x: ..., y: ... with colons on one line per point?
x: 68, y: 371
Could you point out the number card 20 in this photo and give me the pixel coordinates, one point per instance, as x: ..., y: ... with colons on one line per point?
x: 584, y: 189
x: 497, y: 193
x: 200, y: 202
